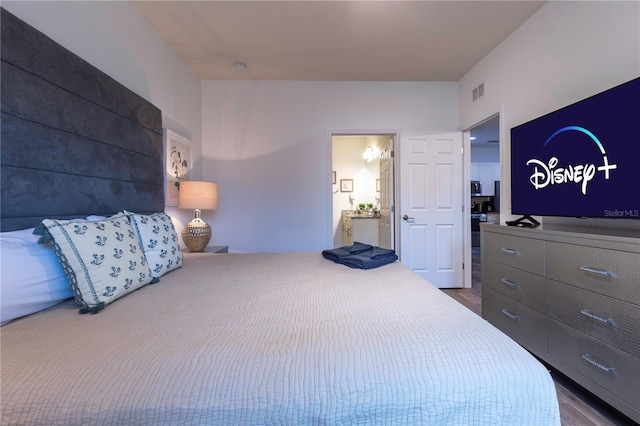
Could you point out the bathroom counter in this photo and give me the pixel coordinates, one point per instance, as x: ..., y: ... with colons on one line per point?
x: 363, y: 231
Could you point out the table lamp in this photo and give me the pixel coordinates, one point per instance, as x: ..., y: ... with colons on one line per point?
x: 197, y: 195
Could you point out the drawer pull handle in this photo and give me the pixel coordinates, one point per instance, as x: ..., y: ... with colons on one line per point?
x: 591, y: 315
x: 510, y: 251
x: 510, y: 314
x: 599, y: 271
x: 595, y: 363
x: 510, y: 283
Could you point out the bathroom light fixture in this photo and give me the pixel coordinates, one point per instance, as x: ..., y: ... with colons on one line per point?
x: 197, y: 195
x: 370, y: 153
x: 367, y: 154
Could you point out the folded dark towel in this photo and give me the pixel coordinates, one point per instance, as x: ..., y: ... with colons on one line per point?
x: 361, y: 256
x: 357, y: 247
x: 363, y: 261
x: 378, y: 252
x: 337, y: 254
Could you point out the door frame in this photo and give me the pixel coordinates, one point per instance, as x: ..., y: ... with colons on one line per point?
x: 468, y: 280
x: 391, y: 133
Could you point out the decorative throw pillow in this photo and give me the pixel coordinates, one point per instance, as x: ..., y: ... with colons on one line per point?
x: 103, y: 260
x: 159, y: 240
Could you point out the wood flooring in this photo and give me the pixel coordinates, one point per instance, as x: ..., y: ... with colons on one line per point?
x: 578, y: 407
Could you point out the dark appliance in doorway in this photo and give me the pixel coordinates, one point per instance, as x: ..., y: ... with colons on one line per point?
x: 476, y: 188
x: 476, y: 219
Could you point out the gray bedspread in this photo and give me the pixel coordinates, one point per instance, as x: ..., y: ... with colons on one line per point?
x: 287, y: 339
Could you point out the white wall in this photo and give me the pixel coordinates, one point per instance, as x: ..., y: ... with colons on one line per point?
x: 113, y: 37
x: 267, y: 145
x: 566, y: 52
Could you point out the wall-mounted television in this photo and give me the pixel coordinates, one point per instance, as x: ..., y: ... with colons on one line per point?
x: 582, y: 160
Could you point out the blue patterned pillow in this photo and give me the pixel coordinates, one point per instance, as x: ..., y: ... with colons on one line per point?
x: 103, y: 260
x: 158, y: 239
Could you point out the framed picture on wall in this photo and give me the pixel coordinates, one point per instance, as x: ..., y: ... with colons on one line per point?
x: 346, y: 185
x: 178, y: 164
x: 333, y: 177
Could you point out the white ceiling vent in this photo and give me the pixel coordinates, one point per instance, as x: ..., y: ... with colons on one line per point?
x: 478, y: 92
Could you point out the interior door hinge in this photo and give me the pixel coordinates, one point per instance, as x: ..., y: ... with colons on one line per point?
x: 393, y: 209
x: 463, y: 266
x: 393, y: 154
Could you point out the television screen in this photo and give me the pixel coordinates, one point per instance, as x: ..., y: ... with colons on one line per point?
x: 582, y: 160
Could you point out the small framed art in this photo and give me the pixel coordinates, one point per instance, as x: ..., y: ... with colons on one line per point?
x: 346, y: 185
x: 177, y: 164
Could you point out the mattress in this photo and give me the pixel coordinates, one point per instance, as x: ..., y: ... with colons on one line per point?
x: 284, y: 338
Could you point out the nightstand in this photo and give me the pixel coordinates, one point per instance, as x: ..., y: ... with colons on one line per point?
x: 217, y: 249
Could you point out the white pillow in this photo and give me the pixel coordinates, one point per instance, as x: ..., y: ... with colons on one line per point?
x: 102, y: 259
x: 31, y: 278
x: 159, y: 240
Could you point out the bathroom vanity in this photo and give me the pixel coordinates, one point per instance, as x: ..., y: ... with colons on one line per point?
x: 361, y: 227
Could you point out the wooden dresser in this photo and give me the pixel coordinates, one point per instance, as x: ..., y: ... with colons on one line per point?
x: 572, y: 298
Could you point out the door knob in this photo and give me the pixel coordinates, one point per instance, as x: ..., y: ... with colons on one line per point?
x: 405, y: 217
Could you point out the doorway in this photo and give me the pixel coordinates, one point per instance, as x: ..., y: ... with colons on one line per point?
x: 363, y: 189
x: 485, y: 172
x: 433, y: 237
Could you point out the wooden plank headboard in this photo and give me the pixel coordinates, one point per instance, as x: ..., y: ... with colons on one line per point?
x: 74, y: 141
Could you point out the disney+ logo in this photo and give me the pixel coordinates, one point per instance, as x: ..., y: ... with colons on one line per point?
x: 549, y: 173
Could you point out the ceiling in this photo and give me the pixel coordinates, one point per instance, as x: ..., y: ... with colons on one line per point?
x: 334, y: 40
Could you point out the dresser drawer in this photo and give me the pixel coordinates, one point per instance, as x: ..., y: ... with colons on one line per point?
x: 522, y: 253
x: 522, y: 286
x: 522, y: 320
x: 609, y: 272
x: 611, y: 320
x: 610, y: 368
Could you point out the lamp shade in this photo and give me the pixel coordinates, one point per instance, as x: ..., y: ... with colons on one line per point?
x: 195, y: 194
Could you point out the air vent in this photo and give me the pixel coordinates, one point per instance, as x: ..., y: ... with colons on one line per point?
x: 478, y: 92
x: 493, y: 141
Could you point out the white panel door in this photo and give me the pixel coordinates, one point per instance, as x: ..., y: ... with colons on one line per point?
x: 431, y: 200
x: 386, y: 228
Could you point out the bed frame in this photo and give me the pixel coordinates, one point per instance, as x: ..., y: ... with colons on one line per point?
x: 75, y: 142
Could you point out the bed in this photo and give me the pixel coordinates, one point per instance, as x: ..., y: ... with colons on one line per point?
x: 273, y: 339
x: 283, y: 338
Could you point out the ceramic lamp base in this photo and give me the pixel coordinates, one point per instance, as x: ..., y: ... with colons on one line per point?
x: 196, y: 234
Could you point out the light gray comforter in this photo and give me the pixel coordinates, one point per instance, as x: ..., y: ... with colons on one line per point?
x: 287, y: 339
